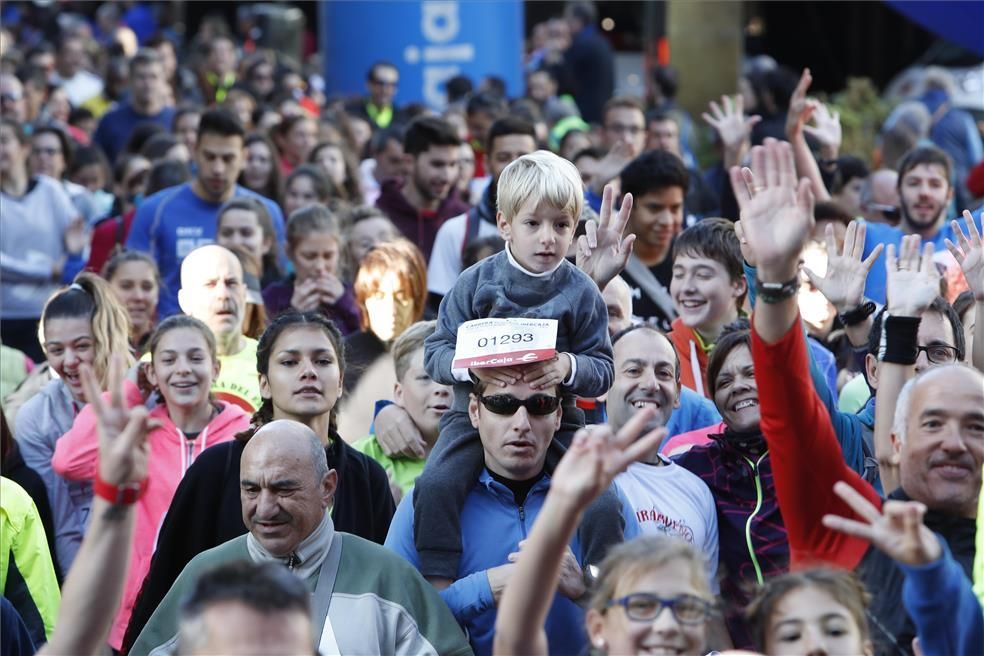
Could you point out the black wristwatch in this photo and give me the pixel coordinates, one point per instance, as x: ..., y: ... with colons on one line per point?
x: 857, y: 315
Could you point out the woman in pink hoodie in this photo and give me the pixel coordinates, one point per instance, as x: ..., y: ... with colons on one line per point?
x: 183, y: 366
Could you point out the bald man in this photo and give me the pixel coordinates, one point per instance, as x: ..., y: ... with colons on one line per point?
x: 880, y: 197
x: 212, y: 290
x: 618, y: 300
x: 365, y: 599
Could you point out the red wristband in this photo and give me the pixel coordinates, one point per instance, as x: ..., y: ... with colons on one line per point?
x: 120, y: 495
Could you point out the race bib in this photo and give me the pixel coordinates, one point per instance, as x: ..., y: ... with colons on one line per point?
x: 504, y: 342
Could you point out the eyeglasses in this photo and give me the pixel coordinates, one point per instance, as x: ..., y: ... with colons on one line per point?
x: 645, y: 607
x: 938, y: 353
x: 507, y: 404
x: 385, y: 83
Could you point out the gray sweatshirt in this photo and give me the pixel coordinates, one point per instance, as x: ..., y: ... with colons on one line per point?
x: 498, y: 288
x: 40, y: 423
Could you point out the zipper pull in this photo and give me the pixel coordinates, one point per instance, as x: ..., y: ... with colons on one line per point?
x: 293, y: 561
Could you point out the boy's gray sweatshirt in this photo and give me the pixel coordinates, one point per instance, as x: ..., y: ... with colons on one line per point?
x: 498, y: 288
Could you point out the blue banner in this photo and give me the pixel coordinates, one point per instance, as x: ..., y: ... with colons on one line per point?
x: 959, y: 22
x: 428, y: 41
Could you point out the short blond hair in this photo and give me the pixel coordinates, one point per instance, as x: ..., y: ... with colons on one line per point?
x: 544, y: 177
x: 406, y: 346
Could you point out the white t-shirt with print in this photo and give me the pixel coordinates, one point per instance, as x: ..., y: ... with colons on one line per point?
x: 669, y: 500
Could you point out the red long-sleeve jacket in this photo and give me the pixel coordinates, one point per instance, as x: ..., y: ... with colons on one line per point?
x: 806, y: 456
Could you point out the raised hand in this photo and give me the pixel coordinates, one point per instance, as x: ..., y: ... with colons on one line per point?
x: 602, y: 252
x: 733, y: 127
x: 912, y: 281
x: 969, y: 253
x: 843, y: 285
x: 800, y: 107
x: 827, y: 130
x: 597, y: 455
x: 611, y: 165
x: 112, y: 416
x: 897, y: 530
x: 76, y: 236
x: 776, y: 211
x: 123, y: 449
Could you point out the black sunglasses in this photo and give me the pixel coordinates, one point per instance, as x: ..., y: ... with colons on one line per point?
x: 507, y: 404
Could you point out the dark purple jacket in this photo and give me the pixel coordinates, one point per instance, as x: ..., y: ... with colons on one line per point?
x: 344, y: 313
x: 417, y: 226
x: 745, y: 495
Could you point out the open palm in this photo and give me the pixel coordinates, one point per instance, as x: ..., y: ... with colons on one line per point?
x: 911, y: 280
x: 847, y: 272
x: 970, y: 253
x: 776, y: 211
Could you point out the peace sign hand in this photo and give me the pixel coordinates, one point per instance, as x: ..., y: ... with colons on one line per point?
x: 602, y: 252
x: 123, y: 449
x: 597, y: 455
x: 898, y: 529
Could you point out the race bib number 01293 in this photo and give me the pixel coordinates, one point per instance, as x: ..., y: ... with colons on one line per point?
x: 504, y: 342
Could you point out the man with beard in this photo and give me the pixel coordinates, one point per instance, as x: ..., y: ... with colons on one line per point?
x: 175, y: 221
x: 420, y: 204
x: 213, y: 291
x: 926, y: 193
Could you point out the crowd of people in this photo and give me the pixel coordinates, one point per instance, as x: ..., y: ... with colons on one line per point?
x: 235, y: 418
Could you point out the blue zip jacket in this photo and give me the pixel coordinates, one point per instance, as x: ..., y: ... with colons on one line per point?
x: 938, y: 596
x: 492, y: 525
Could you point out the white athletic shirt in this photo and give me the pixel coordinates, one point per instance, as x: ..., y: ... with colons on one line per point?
x: 669, y: 500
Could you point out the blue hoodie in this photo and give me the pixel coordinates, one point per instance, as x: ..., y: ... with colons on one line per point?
x: 175, y: 221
